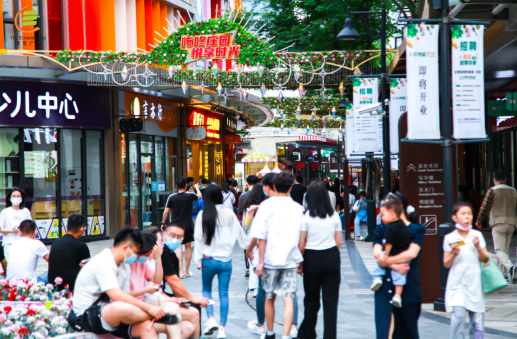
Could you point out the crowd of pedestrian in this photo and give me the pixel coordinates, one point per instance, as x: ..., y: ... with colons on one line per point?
x: 135, y: 289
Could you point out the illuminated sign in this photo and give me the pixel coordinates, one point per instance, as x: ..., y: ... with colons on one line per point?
x: 214, y: 46
x: 146, y: 110
x: 29, y: 18
x: 232, y: 139
x: 208, y: 120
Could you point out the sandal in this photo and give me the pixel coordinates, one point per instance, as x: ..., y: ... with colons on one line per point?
x: 189, y: 275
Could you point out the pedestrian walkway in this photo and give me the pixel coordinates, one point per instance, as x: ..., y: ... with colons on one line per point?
x: 356, y: 302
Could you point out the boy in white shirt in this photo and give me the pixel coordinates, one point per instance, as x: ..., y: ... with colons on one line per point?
x: 277, y: 226
x: 24, y: 252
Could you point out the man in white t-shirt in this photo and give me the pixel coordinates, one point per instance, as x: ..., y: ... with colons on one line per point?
x: 24, y: 252
x: 100, y: 304
x: 277, y: 226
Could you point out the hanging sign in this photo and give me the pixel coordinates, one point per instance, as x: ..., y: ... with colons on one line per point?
x: 213, y: 46
x: 233, y: 139
x: 422, y: 78
x: 398, y: 106
x: 365, y: 126
x: 196, y: 133
x: 468, y: 82
x: 210, y: 121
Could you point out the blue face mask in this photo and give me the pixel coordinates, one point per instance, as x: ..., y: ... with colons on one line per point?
x: 142, y: 260
x: 267, y: 195
x: 132, y: 258
x: 172, y: 244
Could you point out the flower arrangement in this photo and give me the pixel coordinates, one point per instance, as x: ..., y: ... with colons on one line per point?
x: 34, y: 321
x: 29, y: 289
x: 319, y: 57
x: 290, y: 105
x: 318, y: 124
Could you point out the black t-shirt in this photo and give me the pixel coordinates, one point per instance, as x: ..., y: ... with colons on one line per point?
x: 180, y: 205
x: 297, y: 193
x: 170, y: 264
x: 399, y: 236
x: 65, y: 255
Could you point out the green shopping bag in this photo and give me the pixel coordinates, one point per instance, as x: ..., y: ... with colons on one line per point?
x: 491, y: 277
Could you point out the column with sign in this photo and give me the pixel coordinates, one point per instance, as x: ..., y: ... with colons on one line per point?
x: 365, y: 135
x: 468, y: 82
x: 422, y: 78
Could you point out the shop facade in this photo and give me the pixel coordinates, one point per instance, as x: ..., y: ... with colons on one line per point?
x: 52, y: 147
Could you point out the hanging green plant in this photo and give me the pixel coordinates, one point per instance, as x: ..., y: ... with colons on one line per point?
x: 291, y: 122
x: 290, y: 105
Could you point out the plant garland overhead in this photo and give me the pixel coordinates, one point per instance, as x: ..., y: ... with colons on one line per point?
x: 304, y: 123
x: 290, y: 105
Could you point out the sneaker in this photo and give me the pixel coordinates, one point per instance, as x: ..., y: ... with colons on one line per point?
x: 221, y: 334
x: 169, y: 319
x: 247, y: 275
x: 397, y: 301
x: 210, y: 327
x: 255, y: 292
x: 512, y: 277
x: 255, y: 328
x: 265, y: 336
x: 294, y: 332
x: 376, y: 284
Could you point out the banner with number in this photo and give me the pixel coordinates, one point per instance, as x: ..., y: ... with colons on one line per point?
x: 365, y: 126
x: 422, y: 81
x: 468, y: 100
x: 398, y: 106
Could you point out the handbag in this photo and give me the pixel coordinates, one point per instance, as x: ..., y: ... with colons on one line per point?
x: 491, y: 277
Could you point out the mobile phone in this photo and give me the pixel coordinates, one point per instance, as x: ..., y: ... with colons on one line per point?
x: 456, y: 243
x: 185, y: 303
x: 84, y: 261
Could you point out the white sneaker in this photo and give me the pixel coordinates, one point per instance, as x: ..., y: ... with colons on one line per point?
x: 255, y: 328
x: 397, y: 301
x: 294, y: 332
x: 376, y: 284
x: 210, y: 327
x: 221, y: 334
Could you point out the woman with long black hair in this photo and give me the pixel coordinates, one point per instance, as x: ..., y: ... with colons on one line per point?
x: 337, y: 191
x: 217, y: 229
x: 320, y: 240
x: 228, y: 197
x: 402, y: 322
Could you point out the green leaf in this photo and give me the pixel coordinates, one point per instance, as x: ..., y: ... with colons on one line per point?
x: 457, y: 31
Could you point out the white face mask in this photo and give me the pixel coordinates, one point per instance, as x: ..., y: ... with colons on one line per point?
x: 16, y: 201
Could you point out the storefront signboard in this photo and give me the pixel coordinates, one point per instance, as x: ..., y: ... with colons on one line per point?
x: 234, y: 139
x: 468, y: 82
x: 209, y: 120
x: 398, y: 106
x: 422, y: 81
x: 296, y: 155
x: 245, y: 144
x: 196, y: 133
x: 364, y: 136
x: 212, y: 46
x: 54, y: 105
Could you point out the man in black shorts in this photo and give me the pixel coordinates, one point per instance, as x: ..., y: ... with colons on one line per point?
x: 180, y: 205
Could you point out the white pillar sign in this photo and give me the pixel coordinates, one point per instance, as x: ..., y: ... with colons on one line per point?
x: 365, y: 126
x: 422, y: 81
x: 468, y: 82
x: 398, y: 106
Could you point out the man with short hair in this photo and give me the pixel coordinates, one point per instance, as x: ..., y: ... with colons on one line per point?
x: 24, y: 252
x: 251, y: 181
x: 102, y: 303
x: 298, y: 190
x: 180, y: 205
x: 172, y: 237
x: 68, y: 253
x: 277, y: 225
x: 190, y: 181
x: 501, y: 204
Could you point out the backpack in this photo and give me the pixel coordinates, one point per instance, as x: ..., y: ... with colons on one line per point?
x: 195, y: 208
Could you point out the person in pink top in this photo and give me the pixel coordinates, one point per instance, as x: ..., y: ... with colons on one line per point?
x: 143, y: 270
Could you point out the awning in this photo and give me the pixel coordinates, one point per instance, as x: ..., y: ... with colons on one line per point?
x: 258, y: 157
x: 314, y: 138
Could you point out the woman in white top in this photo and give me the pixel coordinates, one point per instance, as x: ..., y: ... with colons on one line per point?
x: 228, y: 197
x: 320, y: 240
x: 463, y: 249
x: 331, y: 194
x: 217, y: 229
x: 11, y: 217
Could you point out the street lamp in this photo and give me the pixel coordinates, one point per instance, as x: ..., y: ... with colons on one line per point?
x: 350, y: 34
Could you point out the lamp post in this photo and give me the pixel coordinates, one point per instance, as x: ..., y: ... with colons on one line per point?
x: 348, y: 33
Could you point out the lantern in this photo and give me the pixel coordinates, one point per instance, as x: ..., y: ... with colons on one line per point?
x: 299, y: 165
x: 314, y: 165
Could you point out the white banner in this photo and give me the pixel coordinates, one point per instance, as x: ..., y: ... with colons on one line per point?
x: 422, y: 78
x: 365, y: 126
x: 468, y: 87
x: 398, y: 106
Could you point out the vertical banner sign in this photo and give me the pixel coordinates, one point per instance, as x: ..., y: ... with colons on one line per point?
x: 398, y: 106
x: 422, y: 81
x: 366, y: 126
x: 468, y: 82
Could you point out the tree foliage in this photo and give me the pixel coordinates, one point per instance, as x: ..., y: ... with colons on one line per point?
x: 312, y: 25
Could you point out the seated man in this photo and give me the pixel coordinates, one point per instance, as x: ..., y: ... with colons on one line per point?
x: 25, y: 252
x: 100, y: 304
x: 67, y: 253
x: 172, y: 237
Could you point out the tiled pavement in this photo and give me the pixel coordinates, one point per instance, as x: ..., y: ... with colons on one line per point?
x: 356, y: 303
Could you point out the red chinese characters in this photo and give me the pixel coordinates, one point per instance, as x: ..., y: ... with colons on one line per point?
x: 215, y: 46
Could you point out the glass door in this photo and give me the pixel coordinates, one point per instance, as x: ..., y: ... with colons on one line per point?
x: 147, y: 174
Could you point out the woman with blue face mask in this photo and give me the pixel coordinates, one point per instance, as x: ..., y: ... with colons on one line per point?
x: 217, y: 229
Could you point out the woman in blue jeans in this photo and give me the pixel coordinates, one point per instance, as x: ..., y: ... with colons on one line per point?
x: 217, y: 229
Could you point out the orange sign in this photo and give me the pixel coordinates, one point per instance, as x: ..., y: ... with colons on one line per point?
x: 232, y: 139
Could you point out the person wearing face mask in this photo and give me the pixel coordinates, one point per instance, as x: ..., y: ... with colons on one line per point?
x: 142, y: 270
x: 11, y: 217
x: 68, y: 254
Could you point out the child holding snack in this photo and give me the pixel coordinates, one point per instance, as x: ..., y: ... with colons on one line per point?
x: 397, y: 239
x: 463, y: 249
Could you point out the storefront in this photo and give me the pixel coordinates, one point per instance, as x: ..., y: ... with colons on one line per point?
x: 52, y: 146
x: 256, y: 162
x: 147, y: 159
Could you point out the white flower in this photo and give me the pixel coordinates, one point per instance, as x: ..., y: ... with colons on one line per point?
x: 30, y: 320
x: 40, y: 284
x: 60, y: 330
x: 49, y: 287
x: 8, y: 322
x: 43, y: 297
x: 13, y: 315
x: 63, y: 323
x: 22, y: 311
x: 40, y: 324
x: 43, y: 331
x: 64, y: 308
x: 35, y: 297
x: 55, y: 321
x: 37, y: 335
x: 54, y: 307
x: 16, y: 327
x: 46, y: 314
x: 6, y: 330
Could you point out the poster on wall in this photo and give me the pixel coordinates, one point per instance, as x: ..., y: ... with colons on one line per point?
x: 468, y: 87
x: 365, y: 135
x: 398, y: 106
x: 422, y: 81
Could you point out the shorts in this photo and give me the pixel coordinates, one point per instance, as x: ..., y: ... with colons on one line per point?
x: 91, y: 321
x: 189, y: 235
x: 398, y: 279
x: 282, y: 282
x: 2, y: 256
